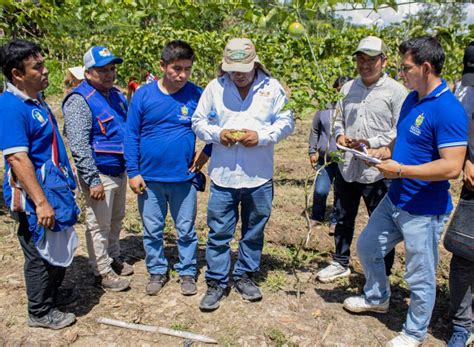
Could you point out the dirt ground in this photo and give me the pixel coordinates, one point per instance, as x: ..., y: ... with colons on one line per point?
x: 316, y: 318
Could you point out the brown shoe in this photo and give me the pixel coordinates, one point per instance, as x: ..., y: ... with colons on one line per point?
x: 111, y: 281
x: 155, y: 284
x: 188, y: 285
x: 121, y: 267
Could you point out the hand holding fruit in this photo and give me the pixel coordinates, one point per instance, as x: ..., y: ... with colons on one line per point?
x: 226, y: 137
x: 137, y: 184
x: 249, y: 138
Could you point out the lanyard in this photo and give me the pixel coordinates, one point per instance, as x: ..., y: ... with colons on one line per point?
x: 55, y: 148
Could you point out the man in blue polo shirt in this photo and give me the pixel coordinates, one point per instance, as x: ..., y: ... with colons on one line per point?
x: 38, y: 183
x: 159, y: 154
x: 429, y: 150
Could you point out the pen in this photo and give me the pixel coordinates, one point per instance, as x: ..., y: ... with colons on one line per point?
x: 364, y: 149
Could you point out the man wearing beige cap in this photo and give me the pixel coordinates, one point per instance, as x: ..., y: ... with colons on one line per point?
x: 366, y: 116
x: 241, y: 114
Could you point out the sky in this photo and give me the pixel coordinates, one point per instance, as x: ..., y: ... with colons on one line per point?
x: 388, y: 15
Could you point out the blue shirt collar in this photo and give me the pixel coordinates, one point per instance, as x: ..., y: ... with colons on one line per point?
x: 435, y: 93
x: 22, y: 96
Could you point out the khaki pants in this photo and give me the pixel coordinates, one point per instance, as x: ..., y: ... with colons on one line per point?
x: 104, y: 222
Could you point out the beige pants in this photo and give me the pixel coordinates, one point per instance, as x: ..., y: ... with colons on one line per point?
x: 104, y: 222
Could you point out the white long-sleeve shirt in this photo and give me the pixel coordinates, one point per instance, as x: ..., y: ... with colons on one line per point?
x: 221, y: 107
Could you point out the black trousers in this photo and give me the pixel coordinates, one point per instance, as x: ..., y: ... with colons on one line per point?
x: 461, y: 284
x: 42, y: 279
x: 348, y: 196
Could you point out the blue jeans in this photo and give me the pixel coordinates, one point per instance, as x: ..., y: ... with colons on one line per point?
x: 388, y: 225
x: 153, y: 207
x: 222, y: 216
x: 322, y: 187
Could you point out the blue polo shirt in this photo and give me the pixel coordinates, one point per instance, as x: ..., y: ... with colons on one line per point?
x: 425, y: 126
x: 25, y: 127
x: 159, y: 142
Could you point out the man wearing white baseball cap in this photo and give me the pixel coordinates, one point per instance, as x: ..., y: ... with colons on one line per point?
x: 366, y: 116
x: 242, y: 114
x: 94, y: 116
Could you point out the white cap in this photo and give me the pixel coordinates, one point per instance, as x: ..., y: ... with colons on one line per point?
x: 77, y: 72
x: 371, y: 45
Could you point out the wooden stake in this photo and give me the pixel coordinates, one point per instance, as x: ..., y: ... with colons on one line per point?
x: 153, y: 329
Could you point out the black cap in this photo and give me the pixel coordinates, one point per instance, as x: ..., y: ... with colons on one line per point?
x: 468, y: 71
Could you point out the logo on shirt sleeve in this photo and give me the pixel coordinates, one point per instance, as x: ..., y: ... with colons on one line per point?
x: 37, y: 115
x: 415, y: 128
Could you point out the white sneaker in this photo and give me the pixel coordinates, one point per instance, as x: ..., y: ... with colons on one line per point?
x: 332, y: 272
x: 403, y: 340
x: 358, y: 304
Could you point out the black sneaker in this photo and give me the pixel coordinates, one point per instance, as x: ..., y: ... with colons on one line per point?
x: 213, y: 296
x: 155, y: 284
x: 54, y: 319
x: 248, y: 289
x: 188, y: 285
x: 65, y: 296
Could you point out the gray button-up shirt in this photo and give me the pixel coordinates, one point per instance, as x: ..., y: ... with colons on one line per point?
x: 369, y: 113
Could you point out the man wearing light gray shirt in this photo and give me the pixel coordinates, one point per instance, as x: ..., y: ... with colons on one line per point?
x: 366, y: 116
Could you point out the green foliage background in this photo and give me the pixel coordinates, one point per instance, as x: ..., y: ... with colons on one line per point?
x: 138, y: 29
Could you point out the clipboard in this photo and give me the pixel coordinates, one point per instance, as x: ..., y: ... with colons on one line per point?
x: 359, y: 154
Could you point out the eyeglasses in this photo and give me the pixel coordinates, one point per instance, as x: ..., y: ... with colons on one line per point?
x: 406, y: 68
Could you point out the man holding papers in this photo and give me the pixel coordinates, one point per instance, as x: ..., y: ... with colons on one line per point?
x: 366, y: 115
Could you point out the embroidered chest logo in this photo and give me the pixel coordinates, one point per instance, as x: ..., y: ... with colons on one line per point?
x: 36, y: 114
x: 415, y: 128
x: 264, y: 93
x: 184, y: 115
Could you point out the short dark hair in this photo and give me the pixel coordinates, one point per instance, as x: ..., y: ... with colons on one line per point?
x: 424, y: 49
x: 339, y: 82
x: 13, y: 53
x: 176, y: 50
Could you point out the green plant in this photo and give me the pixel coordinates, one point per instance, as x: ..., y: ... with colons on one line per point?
x: 275, y: 281
x: 277, y: 338
x: 182, y: 325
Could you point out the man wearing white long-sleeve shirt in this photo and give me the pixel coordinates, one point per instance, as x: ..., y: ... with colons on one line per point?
x: 241, y: 114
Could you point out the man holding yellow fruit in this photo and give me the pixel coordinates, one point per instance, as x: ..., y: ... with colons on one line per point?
x: 242, y: 114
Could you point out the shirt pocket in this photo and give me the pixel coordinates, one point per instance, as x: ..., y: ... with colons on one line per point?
x: 264, y: 110
x: 107, y: 124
